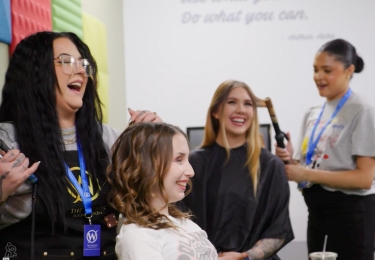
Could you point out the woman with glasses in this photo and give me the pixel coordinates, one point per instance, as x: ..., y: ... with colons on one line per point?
x: 51, y: 111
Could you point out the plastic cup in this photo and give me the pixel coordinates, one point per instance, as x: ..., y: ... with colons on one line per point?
x: 323, y: 256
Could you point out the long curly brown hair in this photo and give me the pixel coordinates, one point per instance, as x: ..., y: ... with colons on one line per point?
x: 141, y: 157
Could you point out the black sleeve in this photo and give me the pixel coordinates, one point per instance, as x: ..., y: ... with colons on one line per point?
x: 277, y: 187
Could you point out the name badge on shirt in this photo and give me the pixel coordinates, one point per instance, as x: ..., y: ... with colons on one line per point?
x: 91, y: 240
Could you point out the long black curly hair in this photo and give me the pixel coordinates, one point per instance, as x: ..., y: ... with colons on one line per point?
x: 29, y: 101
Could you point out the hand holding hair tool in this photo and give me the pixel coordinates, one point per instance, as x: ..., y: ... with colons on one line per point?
x: 279, y: 135
x: 32, y: 178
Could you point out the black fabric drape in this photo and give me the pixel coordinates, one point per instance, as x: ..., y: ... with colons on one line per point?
x: 223, y: 202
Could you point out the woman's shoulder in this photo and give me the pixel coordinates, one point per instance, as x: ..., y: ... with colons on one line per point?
x: 186, y: 224
x: 359, y: 102
x: 312, y: 109
x: 200, y: 153
x: 110, y: 131
x: 8, y: 133
x: 271, y: 163
x: 110, y: 135
x: 133, y: 232
x: 268, y: 157
x: 8, y: 127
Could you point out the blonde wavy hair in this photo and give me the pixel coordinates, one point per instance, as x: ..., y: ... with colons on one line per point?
x: 253, y: 136
x: 141, y: 157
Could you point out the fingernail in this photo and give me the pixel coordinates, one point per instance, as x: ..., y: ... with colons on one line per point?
x: 38, y: 162
x: 129, y: 109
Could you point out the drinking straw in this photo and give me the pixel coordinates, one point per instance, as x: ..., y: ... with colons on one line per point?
x: 325, y: 243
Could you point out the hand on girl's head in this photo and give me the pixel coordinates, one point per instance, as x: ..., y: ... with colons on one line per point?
x: 143, y: 116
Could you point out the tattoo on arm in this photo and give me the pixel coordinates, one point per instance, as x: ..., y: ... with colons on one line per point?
x: 265, y: 248
x: 2, y: 177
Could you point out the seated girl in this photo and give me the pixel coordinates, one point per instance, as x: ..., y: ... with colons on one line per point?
x: 150, y: 170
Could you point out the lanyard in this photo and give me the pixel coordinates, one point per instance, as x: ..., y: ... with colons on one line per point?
x: 312, y: 144
x: 83, y: 191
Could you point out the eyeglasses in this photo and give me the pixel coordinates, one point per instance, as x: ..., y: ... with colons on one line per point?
x: 70, y: 65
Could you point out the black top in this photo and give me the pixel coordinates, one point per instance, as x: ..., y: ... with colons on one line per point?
x: 61, y: 244
x: 223, y: 202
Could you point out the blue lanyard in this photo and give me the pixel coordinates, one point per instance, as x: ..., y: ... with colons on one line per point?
x: 312, y: 144
x: 83, y: 191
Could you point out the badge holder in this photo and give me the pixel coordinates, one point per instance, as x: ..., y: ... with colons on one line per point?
x: 311, y: 149
x: 91, y: 239
x: 91, y: 233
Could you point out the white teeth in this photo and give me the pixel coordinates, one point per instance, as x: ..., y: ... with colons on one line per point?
x: 238, y: 120
x: 75, y: 84
x: 181, y: 183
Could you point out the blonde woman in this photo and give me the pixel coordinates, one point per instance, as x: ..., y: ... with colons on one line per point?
x: 241, y: 193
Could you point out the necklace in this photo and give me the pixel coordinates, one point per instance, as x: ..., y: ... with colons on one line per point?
x: 69, y: 141
x: 68, y: 133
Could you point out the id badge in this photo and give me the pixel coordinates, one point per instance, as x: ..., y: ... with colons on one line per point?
x: 91, y: 240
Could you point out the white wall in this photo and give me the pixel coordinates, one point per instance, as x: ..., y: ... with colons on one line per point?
x: 173, y: 65
x: 110, y: 13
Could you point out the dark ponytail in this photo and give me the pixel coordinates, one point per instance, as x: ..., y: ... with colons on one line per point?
x: 359, y: 65
x: 345, y: 53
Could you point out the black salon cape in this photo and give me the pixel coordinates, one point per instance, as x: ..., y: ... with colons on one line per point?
x: 223, y: 202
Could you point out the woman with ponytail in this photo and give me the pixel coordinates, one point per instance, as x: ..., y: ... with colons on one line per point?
x: 334, y: 160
